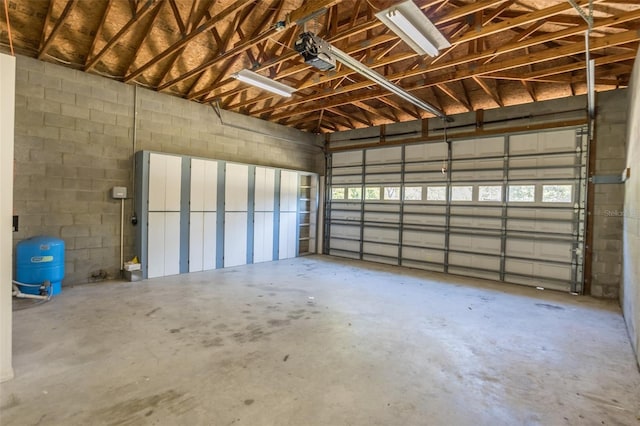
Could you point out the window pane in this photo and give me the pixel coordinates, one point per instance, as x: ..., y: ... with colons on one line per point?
x: 355, y: 194
x: 413, y: 193
x: 556, y: 193
x: 391, y: 193
x: 337, y: 193
x: 522, y: 193
x: 372, y: 193
x: 461, y: 193
x: 437, y: 193
x: 490, y: 193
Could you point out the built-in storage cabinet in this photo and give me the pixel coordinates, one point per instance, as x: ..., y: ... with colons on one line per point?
x: 201, y: 214
x: 164, y: 214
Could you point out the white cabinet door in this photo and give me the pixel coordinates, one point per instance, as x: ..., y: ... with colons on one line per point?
x: 209, y: 241
x: 287, y: 243
x: 172, y: 243
x: 236, y: 187
x: 163, y: 244
x: 263, y: 237
x: 196, y: 241
x: 155, y: 251
x: 163, y: 241
x: 235, y: 239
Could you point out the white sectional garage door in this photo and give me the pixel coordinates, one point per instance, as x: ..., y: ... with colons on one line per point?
x: 508, y: 208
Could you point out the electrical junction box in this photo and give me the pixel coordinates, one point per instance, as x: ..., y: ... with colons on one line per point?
x: 119, y: 192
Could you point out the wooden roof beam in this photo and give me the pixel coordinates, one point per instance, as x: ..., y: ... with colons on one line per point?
x: 98, y: 31
x: 147, y: 8
x: 230, y: 10
x: 489, y: 53
x: 488, y: 90
x: 56, y: 28
x: 447, y: 91
x: 145, y: 34
x: 551, y: 54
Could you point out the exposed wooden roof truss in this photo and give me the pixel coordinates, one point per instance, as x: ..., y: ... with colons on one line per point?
x: 503, y: 52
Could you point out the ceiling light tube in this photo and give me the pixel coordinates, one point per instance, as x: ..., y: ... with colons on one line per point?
x: 257, y: 80
x: 412, y: 26
x: 372, y: 75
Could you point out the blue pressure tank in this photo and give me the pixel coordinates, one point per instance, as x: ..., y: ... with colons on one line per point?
x: 40, y: 259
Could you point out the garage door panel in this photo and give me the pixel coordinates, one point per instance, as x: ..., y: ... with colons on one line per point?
x: 347, y: 180
x: 380, y: 249
x: 384, y: 155
x: 558, y: 251
x: 381, y: 234
x: 380, y: 259
x: 381, y: 217
x: 425, y: 209
x: 482, y: 147
x: 345, y: 245
x: 477, y: 261
x: 477, y: 243
x: 392, y: 178
x: 423, y: 238
x: 426, y: 151
x: 538, y: 269
x: 346, y: 231
x: 383, y: 168
x: 550, y: 284
x: 423, y: 255
x: 473, y: 273
x: 470, y: 176
x: 425, y: 220
x: 382, y: 207
x: 422, y: 265
x: 541, y: 226
x: 476, y: 222
x: 429, y: 177
x: 346, y: 158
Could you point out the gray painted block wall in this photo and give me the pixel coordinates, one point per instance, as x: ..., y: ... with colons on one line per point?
x: 630, y: 297
x: 74, y: 142
x: 611, y: 122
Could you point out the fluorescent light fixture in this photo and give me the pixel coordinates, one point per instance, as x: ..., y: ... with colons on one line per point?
x: 321, y: 46
x: 263, y: 82
x: 413, y: 27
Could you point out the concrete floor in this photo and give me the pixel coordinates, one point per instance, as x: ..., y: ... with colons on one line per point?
x: 320, y: 341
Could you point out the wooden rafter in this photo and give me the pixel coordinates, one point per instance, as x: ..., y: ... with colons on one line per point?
x: 453, y: 95
x: 147, y: 8
x: 98, y: 31
x: 502, y: 49
x: 559, y: 52
x: 488, y: 90
x: 56, y: 28
x: 145, y: 33
x: 234, y: 8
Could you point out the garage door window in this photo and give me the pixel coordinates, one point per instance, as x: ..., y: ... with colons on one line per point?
x: 522, y: 193
x: 556, y: 193
x: 462, y: 193
x: 413, y: 193
x: 391, y: 193
x: 490, y: 193
x: 337, y: 193
x: 372, y: 193
x: 354, y: 194
x: 437, y: 193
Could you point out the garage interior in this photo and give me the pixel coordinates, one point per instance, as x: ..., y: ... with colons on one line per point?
x: 451, y: 238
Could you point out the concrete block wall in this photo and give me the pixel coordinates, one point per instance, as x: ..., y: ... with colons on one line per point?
x: 630, y: 297
x: 611, y: 123
x: 74, y: 141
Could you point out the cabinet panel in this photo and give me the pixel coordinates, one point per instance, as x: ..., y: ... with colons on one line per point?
x: 236, y: 187
x: 235, y: 239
